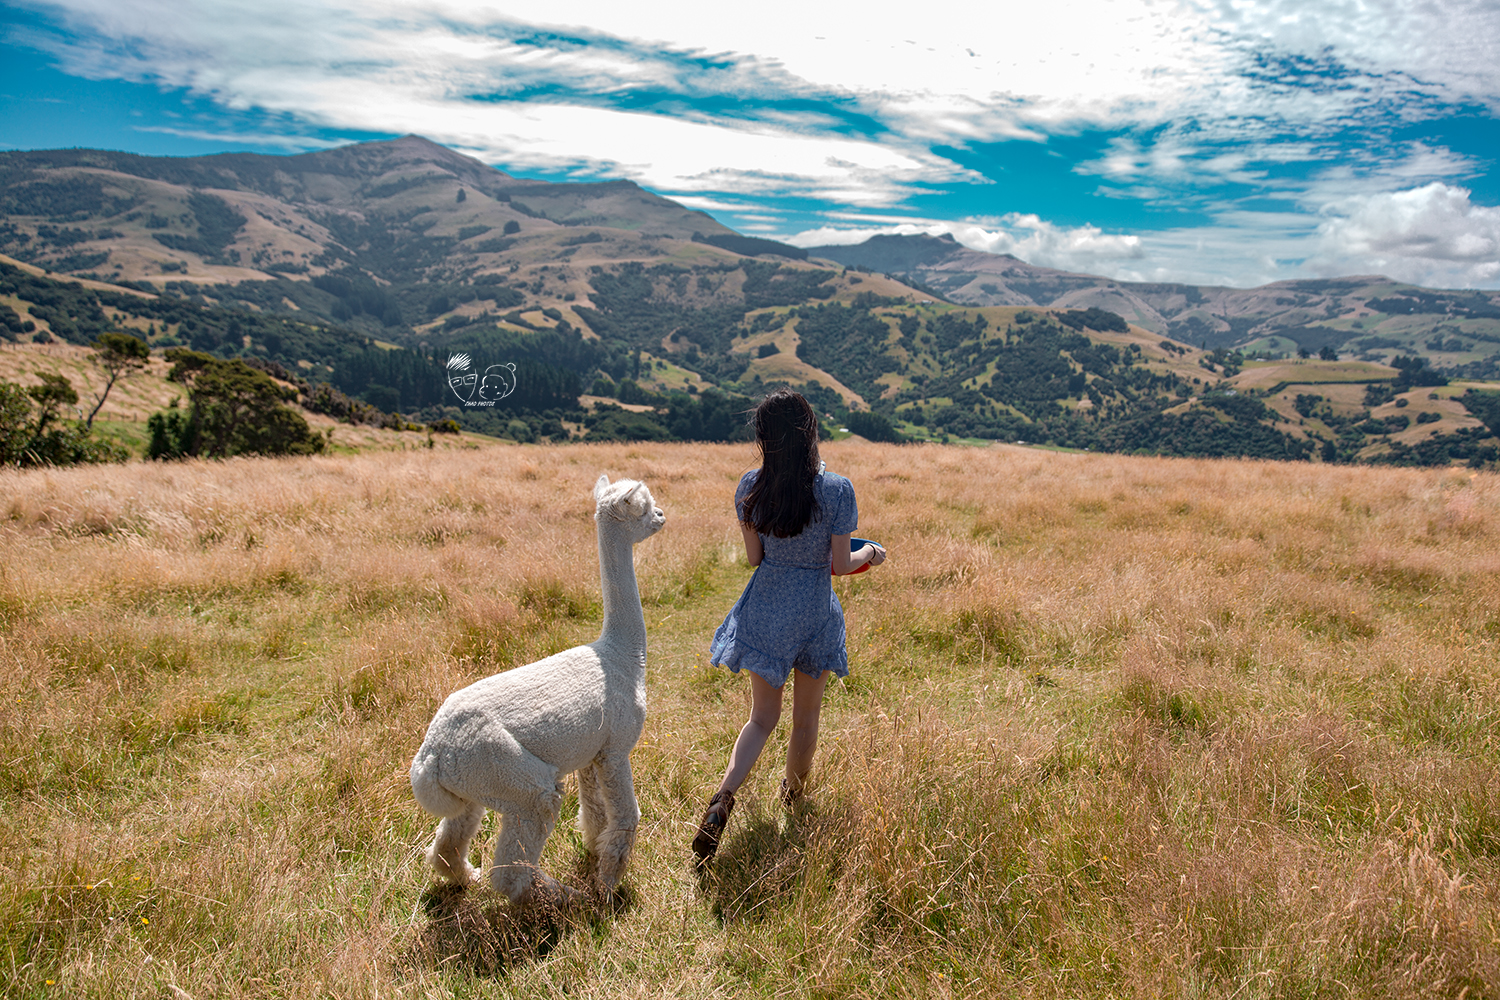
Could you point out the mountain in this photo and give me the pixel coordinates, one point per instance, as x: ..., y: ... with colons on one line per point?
x: 1371, y: 316
x: 625, y: 315
x: 402, y: 210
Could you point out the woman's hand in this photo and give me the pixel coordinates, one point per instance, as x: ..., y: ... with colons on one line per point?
x: 846, y: 562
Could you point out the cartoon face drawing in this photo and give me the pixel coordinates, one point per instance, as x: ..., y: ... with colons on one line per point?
x: 462, y: 378
x: 499, y: 381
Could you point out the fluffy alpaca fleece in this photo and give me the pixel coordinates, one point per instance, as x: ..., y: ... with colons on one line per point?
x: 506, y: 742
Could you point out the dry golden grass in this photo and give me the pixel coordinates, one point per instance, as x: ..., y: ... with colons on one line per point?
x: 1116, y: 727
x: 133, y: 398
x: 138, y: 395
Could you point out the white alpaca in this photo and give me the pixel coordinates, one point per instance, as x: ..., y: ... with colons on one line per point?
x: 505, y: 742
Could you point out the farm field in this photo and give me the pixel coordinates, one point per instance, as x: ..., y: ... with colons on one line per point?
x: 1116, y: 727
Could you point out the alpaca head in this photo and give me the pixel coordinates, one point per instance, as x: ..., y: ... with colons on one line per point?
x: 628, y: 504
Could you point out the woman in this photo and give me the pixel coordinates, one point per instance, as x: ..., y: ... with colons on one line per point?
x: 797, y: 521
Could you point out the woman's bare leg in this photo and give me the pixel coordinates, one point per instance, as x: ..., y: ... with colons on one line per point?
x: 807, y: 707
x: 765, y: 712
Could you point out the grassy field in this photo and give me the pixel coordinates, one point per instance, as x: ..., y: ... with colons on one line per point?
x: 1116, y: 727
x: 138, y: 395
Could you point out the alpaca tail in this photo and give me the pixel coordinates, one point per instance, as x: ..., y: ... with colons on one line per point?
x: 427, y: 786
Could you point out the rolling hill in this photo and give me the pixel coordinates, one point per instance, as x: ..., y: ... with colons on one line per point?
x: 369, y: 266
x: 1369, y: 316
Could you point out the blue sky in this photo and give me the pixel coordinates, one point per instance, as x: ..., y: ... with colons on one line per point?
x: 1213, y: 141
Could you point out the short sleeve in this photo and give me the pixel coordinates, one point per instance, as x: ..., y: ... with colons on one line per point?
x: 746, y: 481
x: 846, y: 516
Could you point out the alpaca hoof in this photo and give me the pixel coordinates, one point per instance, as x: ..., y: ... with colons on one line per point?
x: 550, y: 894
x: 463, y: 877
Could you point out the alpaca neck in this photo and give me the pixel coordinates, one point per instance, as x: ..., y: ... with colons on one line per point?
x: 624, y: 622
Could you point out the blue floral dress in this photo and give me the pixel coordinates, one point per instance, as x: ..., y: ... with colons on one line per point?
x: 789, y: 615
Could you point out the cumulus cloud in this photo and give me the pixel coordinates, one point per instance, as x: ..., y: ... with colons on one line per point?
x: 1240, y: 249
x: 1033, y: 239
x: 1040, y: 242
x: 1430, y: 235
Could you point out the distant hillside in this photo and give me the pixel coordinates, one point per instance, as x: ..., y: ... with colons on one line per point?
x: 398, y: 211
x: 1370, y: 317
x: 1076, y: 378
x: 627, y: 315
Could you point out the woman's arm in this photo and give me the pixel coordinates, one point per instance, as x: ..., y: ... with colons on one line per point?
x: 753, y: 549
x: 846, y: 562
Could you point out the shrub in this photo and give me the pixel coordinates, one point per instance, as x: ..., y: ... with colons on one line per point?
x: 873, y: 427
x: 235, y: 410
x: 38, y: 438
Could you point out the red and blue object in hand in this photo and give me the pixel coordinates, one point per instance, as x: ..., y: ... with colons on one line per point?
x: 854, y: 546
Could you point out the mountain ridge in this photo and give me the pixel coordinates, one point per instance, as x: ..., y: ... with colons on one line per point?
x: 364, y: 265
x: 1309, y: 313
x: 250, y: 216
x: 410, y: 210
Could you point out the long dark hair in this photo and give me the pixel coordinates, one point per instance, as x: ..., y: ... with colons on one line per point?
x: 782, y: 500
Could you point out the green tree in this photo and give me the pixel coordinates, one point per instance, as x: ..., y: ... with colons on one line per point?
x: 873, y: 427
x: 235, y: 410
x: 172, y: 433
x: 53, y: 394
x: 15, y: 419
x: 1485, y: 406
x: 118, y: 354
x: 40, y: 437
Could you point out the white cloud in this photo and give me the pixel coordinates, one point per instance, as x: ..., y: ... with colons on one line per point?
x: 1076, y: 248
x: 708, y: 204
x: 1201, y: 93
x: 1431, y: 235
x: 1438, y: 45
x: 961, y: 70
x: 1034, y: 240
x: 432, y: 70
x: 959, y: 73
x: 1240, y: 249
x: 282, y: 141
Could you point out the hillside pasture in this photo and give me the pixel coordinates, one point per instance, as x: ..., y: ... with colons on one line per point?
x: 138, y: 395
x: 1115, y: 727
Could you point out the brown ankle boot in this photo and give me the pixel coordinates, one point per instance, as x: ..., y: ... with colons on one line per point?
x: 712, y: 827
x: 790, y: 796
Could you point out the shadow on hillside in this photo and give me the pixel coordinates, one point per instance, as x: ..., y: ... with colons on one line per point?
x: 477, y: 931
x: 760, y: 865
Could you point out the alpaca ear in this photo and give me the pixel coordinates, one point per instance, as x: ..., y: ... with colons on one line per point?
x: 599, y: 488
x: 639, y: 498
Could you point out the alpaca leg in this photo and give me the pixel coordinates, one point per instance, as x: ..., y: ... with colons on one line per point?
x: 498, y: 771
x: 622, y: 817
x: 449, y: 853
x: 591, y: 813
x: 518, y: 852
